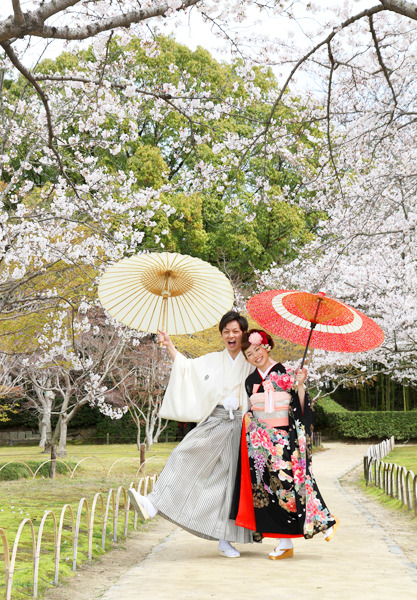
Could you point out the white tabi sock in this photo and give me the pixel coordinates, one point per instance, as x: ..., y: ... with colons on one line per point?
x: 285, y: 544
x: 226, y: 549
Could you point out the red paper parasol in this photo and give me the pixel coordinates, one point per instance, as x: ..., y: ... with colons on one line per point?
x: 316, y: 320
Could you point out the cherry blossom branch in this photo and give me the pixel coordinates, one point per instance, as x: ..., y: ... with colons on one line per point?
x: 28, y: 75
x: 33, y: 22
x: 381, y: 62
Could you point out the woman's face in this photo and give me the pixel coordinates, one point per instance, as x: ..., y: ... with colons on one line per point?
x: 258, y: 357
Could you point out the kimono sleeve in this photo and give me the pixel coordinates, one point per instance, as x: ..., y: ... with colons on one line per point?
x: 190, y: 395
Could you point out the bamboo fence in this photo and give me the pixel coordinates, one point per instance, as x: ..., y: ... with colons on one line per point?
x: 395, y: 480
x: 110, y: 508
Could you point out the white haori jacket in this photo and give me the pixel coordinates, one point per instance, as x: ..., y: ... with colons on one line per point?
x: 198, y: 385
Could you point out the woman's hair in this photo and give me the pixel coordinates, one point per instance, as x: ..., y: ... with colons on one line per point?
x: 245, y: 339
x: 233, y: 316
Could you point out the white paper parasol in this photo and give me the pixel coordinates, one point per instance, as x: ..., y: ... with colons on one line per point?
x: 168, y: 291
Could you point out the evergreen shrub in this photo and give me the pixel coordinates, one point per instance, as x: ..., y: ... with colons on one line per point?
x: 334, y: 420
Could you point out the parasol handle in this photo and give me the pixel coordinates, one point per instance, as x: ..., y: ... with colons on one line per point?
x: 165, y: 295
x: 312, y: 326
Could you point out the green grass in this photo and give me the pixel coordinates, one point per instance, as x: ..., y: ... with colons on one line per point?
x: 30, y: 498
x: 377, y: 494
x: 405, y: 456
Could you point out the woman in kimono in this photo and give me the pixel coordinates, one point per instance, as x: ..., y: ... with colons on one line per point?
x: 195, y: 488
x: 276, y: 494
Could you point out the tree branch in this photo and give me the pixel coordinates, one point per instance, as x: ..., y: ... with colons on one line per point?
x: 18, y: 12
x: 401, y: 7
x: 34, y: 21
x: 381, y: 62
x: 29, y: 76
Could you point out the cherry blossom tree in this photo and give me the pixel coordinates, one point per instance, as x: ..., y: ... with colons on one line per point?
x: 144, y: 370
x: 354, y: 69
x: 10, y: 386
x: 74, y: 366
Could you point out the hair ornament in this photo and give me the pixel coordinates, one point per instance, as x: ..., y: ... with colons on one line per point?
x: 259, y: 338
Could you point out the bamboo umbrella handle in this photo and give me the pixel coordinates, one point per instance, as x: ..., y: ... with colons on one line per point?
x: 165, y: 295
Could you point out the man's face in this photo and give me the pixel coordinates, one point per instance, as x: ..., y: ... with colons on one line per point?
x: 232, y: 337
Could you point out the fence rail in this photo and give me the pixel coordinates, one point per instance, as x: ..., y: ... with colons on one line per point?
x: 395, y: 480
x: 108, y: 505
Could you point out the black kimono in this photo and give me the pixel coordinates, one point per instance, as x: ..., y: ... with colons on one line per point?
x: 276, y: 494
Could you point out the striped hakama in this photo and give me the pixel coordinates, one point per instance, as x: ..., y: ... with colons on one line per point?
x: 195, y: 488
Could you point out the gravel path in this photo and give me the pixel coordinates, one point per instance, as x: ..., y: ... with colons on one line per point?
x: 362, y: 561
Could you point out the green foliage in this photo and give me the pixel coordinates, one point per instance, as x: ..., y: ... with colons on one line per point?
x: 123, y: 430
x: 250, y: 237
x: 24, y: 418
x: 324, y: 409
x: 148, y: 166
x: 6, y: 412
x: 338, y: 422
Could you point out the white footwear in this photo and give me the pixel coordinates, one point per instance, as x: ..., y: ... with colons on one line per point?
x: 226, y: 549
x: 141, y: 504
x: 285, y: 549
x: 329, y: 533
x: 278, y: 554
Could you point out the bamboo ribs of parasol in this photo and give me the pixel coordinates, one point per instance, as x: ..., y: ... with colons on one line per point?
x: 165, y: 291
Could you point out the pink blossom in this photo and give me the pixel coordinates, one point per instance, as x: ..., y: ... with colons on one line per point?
x: 255, y: 339
x: 285, y: 382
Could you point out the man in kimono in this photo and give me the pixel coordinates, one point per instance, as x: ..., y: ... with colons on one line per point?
x: 196, y: 485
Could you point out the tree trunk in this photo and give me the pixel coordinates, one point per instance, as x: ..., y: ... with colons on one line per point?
x: 149, y: 439
x: 159, y: 429
x: 62, y: 448
x: 45, y: 428
x: 53, y: 462
x: 42, y: 432
x: 405, y: 396
x: 142, y: 458
x: 388, y: 394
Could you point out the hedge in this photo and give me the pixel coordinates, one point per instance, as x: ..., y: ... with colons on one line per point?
x: 334, y: 420
x: 120, y: 430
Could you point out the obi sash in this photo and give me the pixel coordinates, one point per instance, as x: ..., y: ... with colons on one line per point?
x: 279, y: 416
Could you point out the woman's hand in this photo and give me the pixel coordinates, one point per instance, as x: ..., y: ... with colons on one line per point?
x: 300, y: 375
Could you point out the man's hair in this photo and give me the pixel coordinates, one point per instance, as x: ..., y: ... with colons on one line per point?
x: 233, y: 316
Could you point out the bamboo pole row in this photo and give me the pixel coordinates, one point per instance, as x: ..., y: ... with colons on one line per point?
x: 112, y: 502
x: 394, y: 480
x: 140, y: 464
